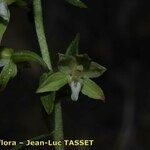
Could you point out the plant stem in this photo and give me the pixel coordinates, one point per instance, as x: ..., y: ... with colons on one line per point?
x: 40, y: 32
x: 58, y: 133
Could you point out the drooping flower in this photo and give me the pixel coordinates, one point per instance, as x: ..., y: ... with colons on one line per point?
x: 9, y: 60
x: 76, y: 70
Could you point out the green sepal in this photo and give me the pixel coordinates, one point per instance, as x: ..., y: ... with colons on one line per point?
x: 37, y: 138
x: 25, y: 55
x: 74, y: 46
x: 48, y: 98
x: 92, y: 90
x: 95, y: 70
x: 77, y: 3
x: 53, y: 83
x: 9, y: 71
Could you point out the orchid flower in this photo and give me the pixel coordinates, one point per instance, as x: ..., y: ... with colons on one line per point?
x: 76, y: 70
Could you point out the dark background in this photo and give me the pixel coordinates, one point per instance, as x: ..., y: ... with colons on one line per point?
x: 116, y: 34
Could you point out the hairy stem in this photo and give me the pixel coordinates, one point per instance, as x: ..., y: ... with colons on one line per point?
x: 58, y: 133
x: 40, y: 32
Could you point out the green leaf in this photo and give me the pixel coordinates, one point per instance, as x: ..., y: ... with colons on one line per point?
x: 48, y: 98
x: 53, y: 83
x: 48, y: 102
x: 73, y: 47
x: 92, y: 90
x: 45, y: 76
x: 24, y: 55
x: 37, y: 138
x: 9, y: 71
x: 95, y: 70
x: 77, y: 3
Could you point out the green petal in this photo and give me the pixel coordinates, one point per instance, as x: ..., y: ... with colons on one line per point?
x: 73, y: 47
x: 53, y: 83
x: 9, y: 71
x: 92, y: 90
x: 84, y: 60
x: 77, y: 3
x: 95, y: 70
x: 66, y: 63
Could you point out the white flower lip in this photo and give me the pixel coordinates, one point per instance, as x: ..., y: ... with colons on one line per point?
x: 4, y: 10
x: 75, y: 89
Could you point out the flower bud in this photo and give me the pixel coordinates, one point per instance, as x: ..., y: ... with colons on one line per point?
x: 6, y: 53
